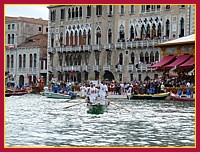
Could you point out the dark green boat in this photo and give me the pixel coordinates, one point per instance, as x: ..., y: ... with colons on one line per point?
x: 97, y: 108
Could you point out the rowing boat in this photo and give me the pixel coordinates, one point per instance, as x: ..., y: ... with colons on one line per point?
x: 182, y: 98
x: 97, y: 107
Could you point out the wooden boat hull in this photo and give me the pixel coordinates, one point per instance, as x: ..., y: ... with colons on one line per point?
x: 97, y: 108
x: 15, y: 94
x: 160, y: 96
x: 59, y: 95
x: 174, y: 97
x: 13, y: 91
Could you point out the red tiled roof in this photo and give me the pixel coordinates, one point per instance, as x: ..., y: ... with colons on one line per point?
x: 36, y: 40
x: 27, y: 20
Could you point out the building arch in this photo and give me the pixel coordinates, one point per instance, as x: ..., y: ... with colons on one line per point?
x: 98, y: 35
x: 133, y: 58
x: 167, y: 30
x: 121, y: 59
x: 108, y: 75
x: 21, y: 81
x: 147, y: 58
x: 151, y: 57
x: 121, y: 33
x: 182, y: 27
x: 109, y: 40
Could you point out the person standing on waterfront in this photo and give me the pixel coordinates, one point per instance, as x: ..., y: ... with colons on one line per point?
x: 83, y: 90
x: 162, y: 88
x: 103, y: 92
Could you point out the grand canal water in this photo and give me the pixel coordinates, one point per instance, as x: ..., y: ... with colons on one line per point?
x: 34, y: 120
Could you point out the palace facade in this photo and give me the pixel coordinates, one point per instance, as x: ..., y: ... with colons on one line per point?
x: 114, y: 42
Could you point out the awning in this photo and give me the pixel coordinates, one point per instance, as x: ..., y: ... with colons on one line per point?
x: 180, y: 59
x: 189, y: 63
x: 164, y: 61
x: 183, y: 40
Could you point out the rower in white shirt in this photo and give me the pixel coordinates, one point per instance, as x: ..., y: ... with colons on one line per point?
x: 103, y: 92
x: 93, y: 93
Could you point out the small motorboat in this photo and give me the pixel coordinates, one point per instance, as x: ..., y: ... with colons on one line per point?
x: 180, y: 98
x: 59, y: 95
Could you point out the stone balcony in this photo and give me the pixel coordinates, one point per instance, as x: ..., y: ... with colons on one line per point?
x: 108, y: 46
x: 107, y: 68
x: 143, y: 67
x: 96, y: 68
x: 76, y: 68
x: 120, y: 68
x: 87, y: 47
x: 138, y: 44
x: 59, y: 68
x: 131, y: 68
x: 85, y: 68
x: 97, y: 47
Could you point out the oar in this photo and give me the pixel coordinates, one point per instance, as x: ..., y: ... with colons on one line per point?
x: 74, y: 105
x: 120, y: 106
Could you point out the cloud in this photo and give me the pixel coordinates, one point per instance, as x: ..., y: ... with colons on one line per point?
x: 35, y: 11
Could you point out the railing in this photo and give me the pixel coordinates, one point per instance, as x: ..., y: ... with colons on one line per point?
x: 143, y: 67
x: 51, y: 50
x: 32, y: 69
x: 59, y: 49
x: 119, y: 68
x: 50, y: 68
x: 59, y: 68
x: 96, y: 47
x: 106, y: 68
x: 120, y: 45
x: 85, y: 68
x: 96, y: 68
x: 131, y: 68
x: 87, y: 47
x: 137, y: 44
x: 108, y: 46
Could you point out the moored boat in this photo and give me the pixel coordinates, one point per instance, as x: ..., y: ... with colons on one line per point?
x: 158, y: 96
x: 59, y: 95
x: 182, y: 98
x: 14, y: 94
x: 16, y: 90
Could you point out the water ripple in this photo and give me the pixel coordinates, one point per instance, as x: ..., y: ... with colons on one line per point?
x: 34, y: 120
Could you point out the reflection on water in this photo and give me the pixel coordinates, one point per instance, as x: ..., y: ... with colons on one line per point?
x: 34, y: 120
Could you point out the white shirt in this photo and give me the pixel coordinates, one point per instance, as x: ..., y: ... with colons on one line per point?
x: 103, y: 89
x: 188, y: 84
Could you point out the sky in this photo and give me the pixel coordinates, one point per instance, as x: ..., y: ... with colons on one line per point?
x: 35, y: 11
